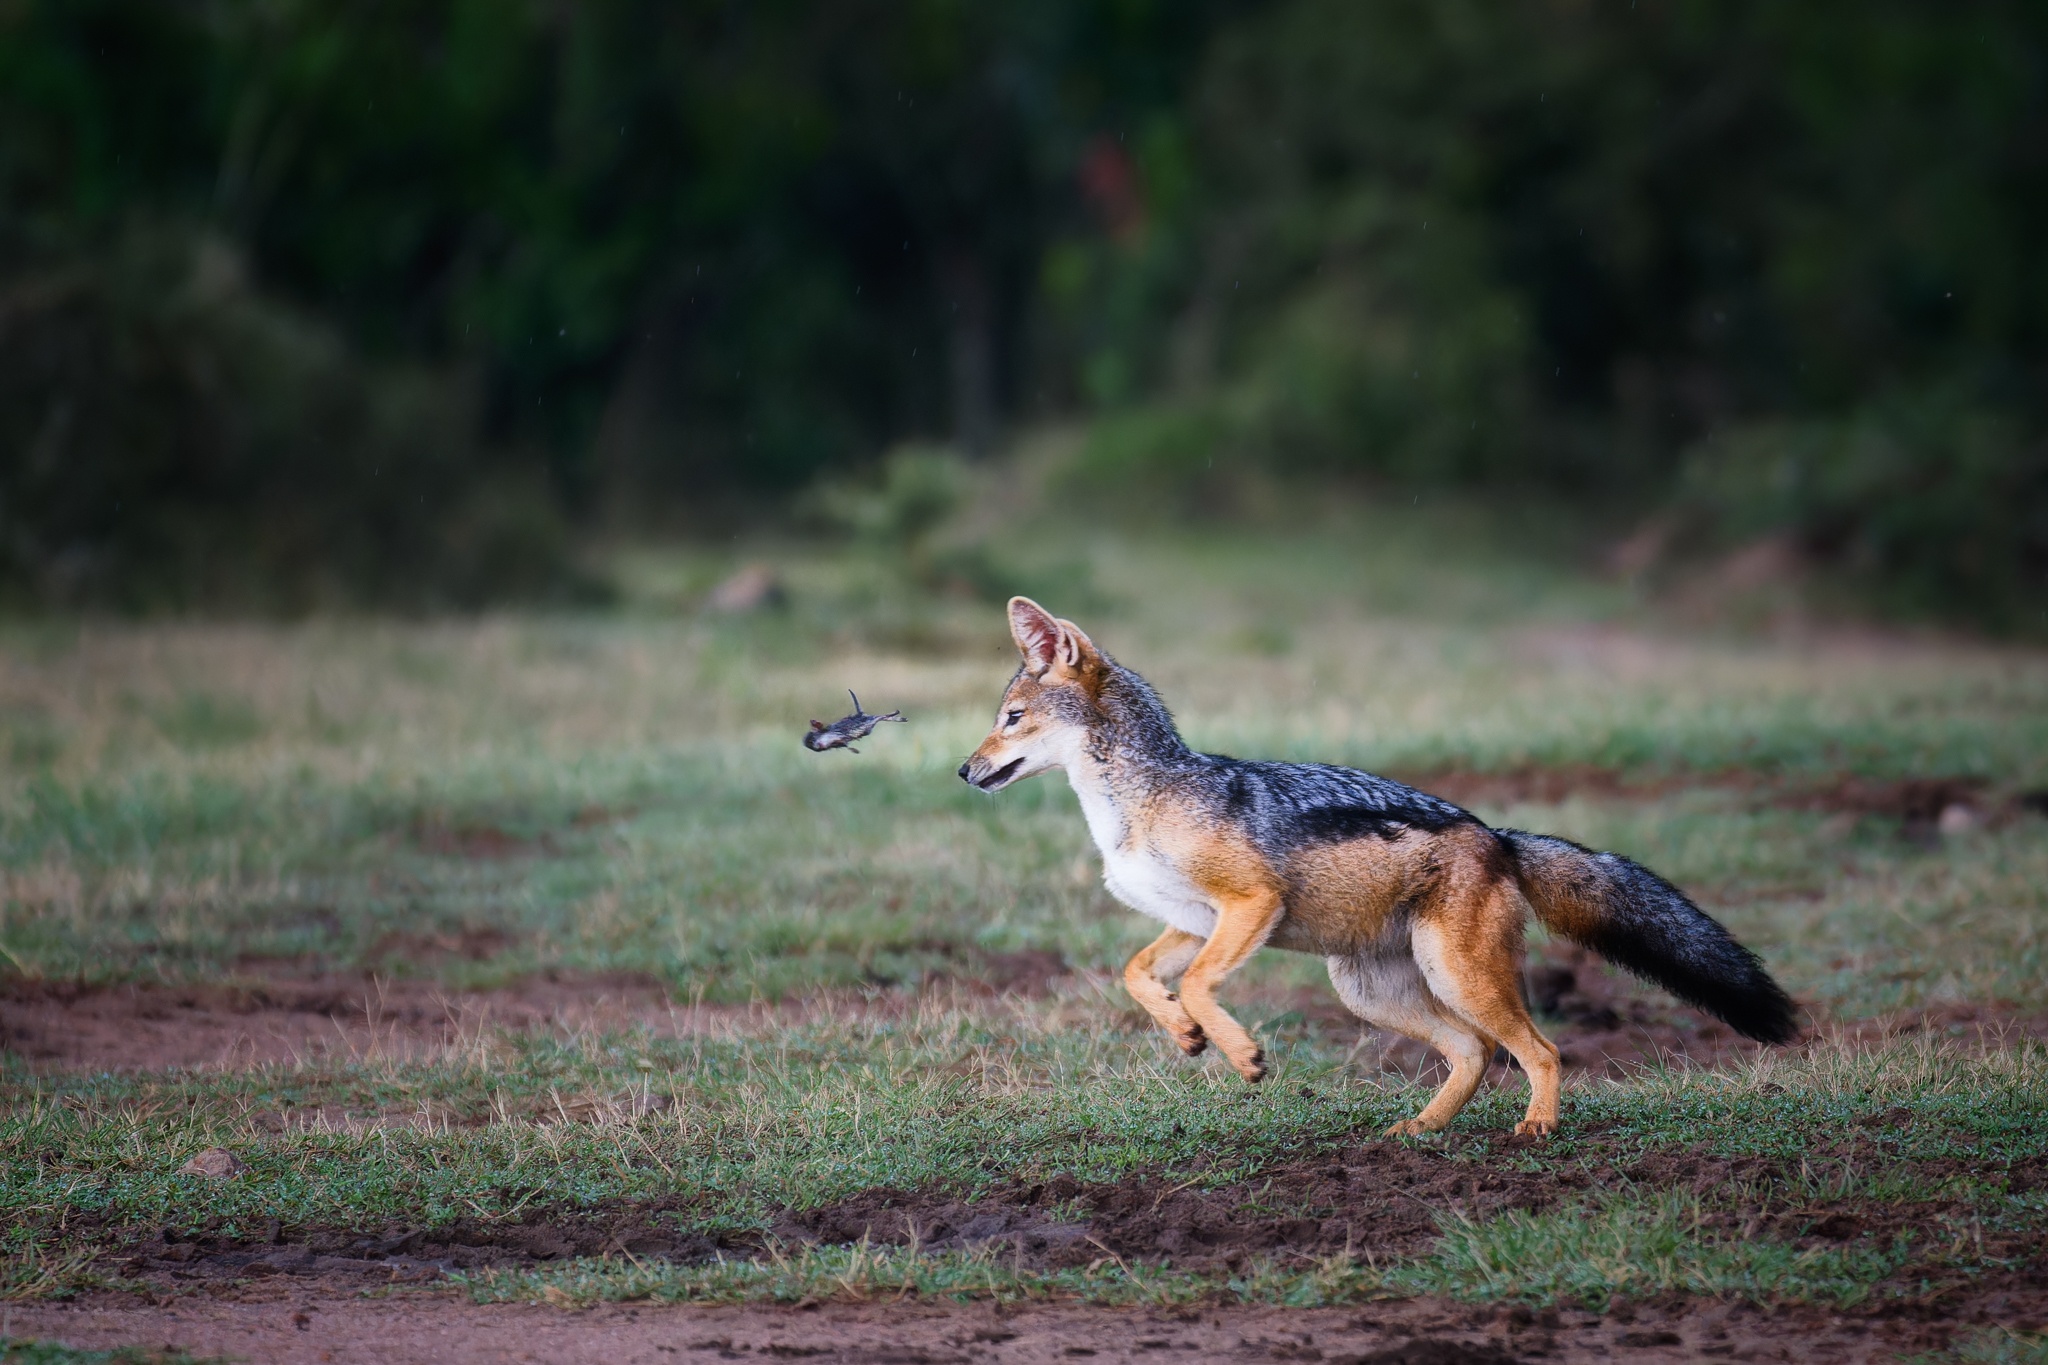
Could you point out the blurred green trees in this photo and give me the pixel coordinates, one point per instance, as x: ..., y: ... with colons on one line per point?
x: 1776, y: 268
x: 665, y: 253
x: 1795, y: 250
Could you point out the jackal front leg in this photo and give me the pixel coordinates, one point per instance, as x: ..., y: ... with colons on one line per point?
x: 1243, y: 924
x: 1146, y: 977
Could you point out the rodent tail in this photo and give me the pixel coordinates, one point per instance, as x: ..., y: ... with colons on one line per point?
x: 1637, y: 920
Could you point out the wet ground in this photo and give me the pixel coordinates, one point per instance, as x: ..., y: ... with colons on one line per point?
x: 313, y: 1294
x: 289, y: 1324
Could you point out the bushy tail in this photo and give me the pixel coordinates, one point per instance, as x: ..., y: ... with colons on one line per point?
x: 1637, y: 920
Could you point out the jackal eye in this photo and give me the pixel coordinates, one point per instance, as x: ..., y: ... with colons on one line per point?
x: 1012, y: 719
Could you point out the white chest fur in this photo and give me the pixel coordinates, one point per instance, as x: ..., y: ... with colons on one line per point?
x: 1138, y: 876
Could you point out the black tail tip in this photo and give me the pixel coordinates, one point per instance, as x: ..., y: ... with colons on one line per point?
x: 1765, y: 1015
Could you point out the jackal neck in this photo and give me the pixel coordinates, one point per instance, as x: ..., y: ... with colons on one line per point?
x: 1132, y: 748
x: 1135, y: 731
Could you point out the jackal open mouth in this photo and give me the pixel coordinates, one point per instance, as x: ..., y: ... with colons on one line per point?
x: 1000, y: 778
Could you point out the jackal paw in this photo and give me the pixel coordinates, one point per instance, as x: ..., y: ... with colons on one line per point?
x: 1192, y: 1041
x: 1408, y: 1128
x: 1536, y: 1128
x: 1253, y: 1070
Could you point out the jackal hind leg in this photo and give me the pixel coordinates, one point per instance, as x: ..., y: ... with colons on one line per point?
x: 1146, y: 977
x: 1387, y: 990
x: 1474, y: 967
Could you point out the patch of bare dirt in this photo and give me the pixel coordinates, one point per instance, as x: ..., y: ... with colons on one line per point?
x: 1989, y: 1024
x: 1378, y: 1198
x: 1372, y: 1199
x: 1548, y: 786
x: 1922, y: 807
x: 331, y: 1259
x: 478, y: 839
x: 148, y: 1026
x: 1382, y: 1199
x: 270, y: 1015
x: 1030, y: 972
x: 471, y: 943
x: 275, y: 1322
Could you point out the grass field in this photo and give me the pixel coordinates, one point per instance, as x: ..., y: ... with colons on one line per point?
x: 531, y: 959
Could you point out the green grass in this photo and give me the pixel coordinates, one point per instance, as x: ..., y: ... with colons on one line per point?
x: 49, y: 1353
x: 625, y: 794
x: 1585, y: 1257
x: 1637, y: 1247
x: 1998, y: 1346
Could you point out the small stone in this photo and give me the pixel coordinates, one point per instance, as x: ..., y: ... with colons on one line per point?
x: 215, y: 1163
x: 1958, y: 818
x: 751, y: 589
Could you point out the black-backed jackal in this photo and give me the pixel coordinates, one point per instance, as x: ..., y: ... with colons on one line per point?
x: 1418, y: 906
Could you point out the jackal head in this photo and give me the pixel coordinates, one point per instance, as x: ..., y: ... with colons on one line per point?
x: 1044, y: 720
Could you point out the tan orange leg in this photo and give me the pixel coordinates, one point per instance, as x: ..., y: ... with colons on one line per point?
x: 1146, y: 975
x: 1468, y: 1056
x: 1387, y: 990
x: 1243, y: 924
x: 1476, y: 971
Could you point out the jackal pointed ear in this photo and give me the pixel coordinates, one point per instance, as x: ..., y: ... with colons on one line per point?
x: 1074, y: 644
x: 1037, y: 634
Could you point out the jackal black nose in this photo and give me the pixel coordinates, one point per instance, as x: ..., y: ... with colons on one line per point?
x: 963, y: 771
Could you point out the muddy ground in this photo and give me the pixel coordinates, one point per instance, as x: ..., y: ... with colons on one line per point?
x: 271, y: 1012
x: 287, y: 1017
x: 290, y: 1326
x: 1378, y: 1198
x: 1374, y: 1197
x: 313, y: 1294
x: 346, y: 1294
x: 282, y: 1014
x: 290, y: 1013
x: 1918, y: 808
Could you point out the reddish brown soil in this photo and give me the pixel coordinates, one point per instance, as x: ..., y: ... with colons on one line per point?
x: 1386, y: 1199
x: 287, y: 1325
x: 279, y: 1012
x: 333, y: 1259
x: 1379, y: 1199
x: 142, y: 1026
x: 270, y: 1014
x: 438, y: 834
x: 1373, y: 1199
x: 1916, y: 804
x: 1603, y: 1021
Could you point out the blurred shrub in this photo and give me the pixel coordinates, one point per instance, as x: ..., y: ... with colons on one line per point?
x: 897, y: 509
x: 1348, y: 378
x: 1933, y: 504
x: 702, y: 255
x: 1160, y: 458
x: 907, y: 512
x: 1703, y: 257
x: 177, y: 441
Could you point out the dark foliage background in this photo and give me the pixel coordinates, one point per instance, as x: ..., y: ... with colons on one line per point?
x: 311, y: 302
